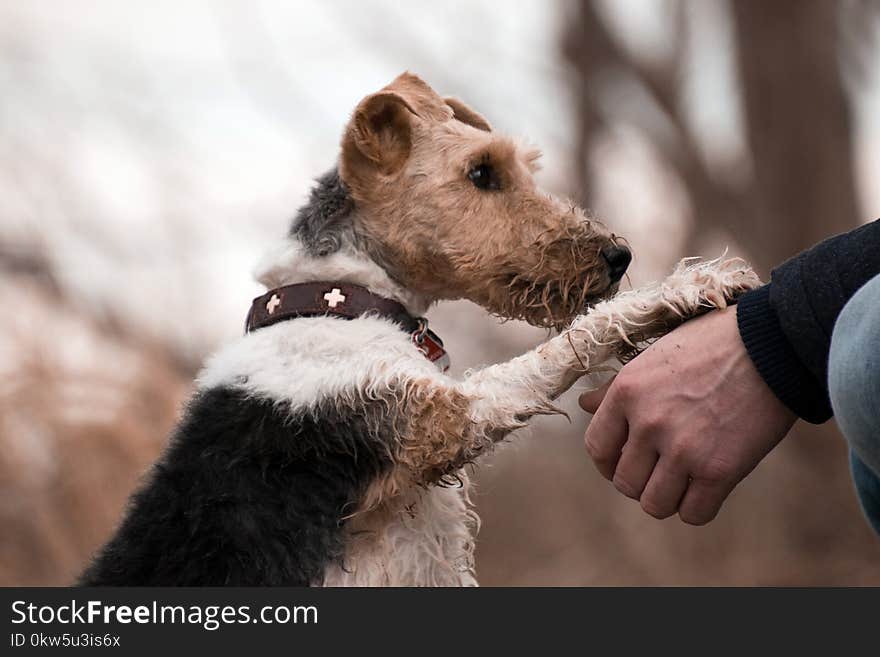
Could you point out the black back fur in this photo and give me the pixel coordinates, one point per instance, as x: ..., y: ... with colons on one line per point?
x: 248, y: 493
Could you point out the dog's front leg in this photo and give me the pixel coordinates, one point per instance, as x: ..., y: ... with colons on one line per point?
x: 614, y: 328
x: 451, y: 425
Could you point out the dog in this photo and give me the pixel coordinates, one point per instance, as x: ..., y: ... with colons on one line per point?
x: 327, y: 445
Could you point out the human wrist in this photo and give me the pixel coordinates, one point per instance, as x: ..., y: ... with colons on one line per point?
x: 775, y: 359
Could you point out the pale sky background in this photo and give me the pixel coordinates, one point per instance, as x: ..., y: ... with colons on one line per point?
x: 163, y: 146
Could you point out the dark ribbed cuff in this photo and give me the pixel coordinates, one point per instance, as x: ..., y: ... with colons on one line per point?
x: 776, y: 361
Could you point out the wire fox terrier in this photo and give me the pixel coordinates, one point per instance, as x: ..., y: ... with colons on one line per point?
x: 319, y: 448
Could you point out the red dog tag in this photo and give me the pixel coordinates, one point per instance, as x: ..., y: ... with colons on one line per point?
x: 432, y: 347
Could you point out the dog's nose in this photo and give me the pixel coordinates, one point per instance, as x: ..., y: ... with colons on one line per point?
x: 618, y: 259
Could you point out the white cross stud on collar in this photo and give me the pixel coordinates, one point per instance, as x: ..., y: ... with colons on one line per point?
x: 274, y: 302
x: 334, y: 297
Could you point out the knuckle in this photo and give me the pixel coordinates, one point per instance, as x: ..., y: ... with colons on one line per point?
x: 588, y: 443
x: 598, y: 452
x: 624, y: 387
x: 678, y: 452
x: 651, y: 425
x: 592, y: 449
x: 625, y: 487
x: 715, y: 471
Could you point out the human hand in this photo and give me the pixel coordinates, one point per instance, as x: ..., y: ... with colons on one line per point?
x: 685, y: 421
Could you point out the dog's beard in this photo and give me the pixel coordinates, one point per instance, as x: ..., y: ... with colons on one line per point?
x: 568, y: 276
x: 551, y: 305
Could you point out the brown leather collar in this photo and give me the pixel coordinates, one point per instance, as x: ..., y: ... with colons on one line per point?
x: 344, y: 300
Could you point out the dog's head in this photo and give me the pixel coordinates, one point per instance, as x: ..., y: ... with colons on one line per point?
x: 451, y: 210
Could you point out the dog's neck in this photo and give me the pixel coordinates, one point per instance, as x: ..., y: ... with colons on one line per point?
x: 291, y: 263
x: 323, y: 245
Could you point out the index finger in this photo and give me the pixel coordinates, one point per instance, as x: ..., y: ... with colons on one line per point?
x: 606, y: 435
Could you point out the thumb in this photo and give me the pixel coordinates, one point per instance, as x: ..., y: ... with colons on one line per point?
x: 591, y: 399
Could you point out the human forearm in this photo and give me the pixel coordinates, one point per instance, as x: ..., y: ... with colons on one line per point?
x: 786, y: 325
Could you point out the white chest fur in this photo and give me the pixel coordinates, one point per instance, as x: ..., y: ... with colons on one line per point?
x: 423, y: 538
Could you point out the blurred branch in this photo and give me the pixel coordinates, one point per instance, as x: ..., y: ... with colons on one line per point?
x: 595, y: 54
x: 860, y: 39
x: 19, y: 262
x: 798, y: 124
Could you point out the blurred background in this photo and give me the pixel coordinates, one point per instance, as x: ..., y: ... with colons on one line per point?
x: 149, y: 152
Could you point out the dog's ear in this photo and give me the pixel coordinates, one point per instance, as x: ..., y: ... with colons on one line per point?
x: 378, y: 137
x: 465, y: 114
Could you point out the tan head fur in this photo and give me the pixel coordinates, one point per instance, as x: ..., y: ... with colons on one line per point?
x: 450, y: 208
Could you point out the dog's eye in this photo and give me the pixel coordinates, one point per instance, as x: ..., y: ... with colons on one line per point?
x: 483, y: 176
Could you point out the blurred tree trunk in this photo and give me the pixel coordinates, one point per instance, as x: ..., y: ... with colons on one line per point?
x: 799, y: 125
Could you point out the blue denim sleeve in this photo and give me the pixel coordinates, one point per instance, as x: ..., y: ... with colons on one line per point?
x: 786, y: 325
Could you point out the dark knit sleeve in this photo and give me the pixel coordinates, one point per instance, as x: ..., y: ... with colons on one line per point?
x: 786, y: 325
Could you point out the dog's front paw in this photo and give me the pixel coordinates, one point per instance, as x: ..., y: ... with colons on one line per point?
x: 695, y: 287
x: 625, y: 323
